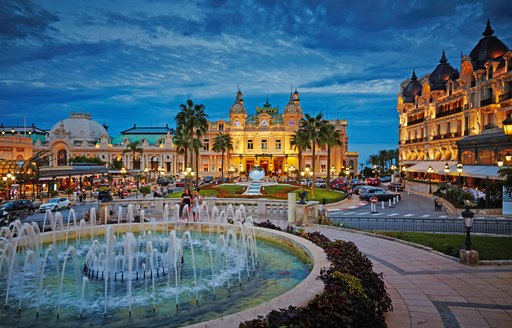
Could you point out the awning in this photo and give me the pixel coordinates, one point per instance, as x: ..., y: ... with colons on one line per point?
x: 437, y: 166
x: 478, y: 171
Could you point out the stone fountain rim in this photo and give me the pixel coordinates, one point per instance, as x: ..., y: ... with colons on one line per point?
x: 298, y: 296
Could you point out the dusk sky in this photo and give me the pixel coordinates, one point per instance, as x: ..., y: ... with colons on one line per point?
x: 127, y: 61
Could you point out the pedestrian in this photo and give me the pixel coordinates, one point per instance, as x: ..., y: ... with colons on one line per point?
x: 186, y: 199
x: 198, y: 200
x: 81, y: 197
x: 436, y: 204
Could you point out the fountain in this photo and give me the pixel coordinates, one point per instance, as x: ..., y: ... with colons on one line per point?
x: 256, y: 175
x: 172, y: 272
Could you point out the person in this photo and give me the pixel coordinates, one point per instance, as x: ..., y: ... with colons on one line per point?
x: 81, y: 197
x: 198, y: 200
x: 186, y: 199
x: 436, y: 204
x: 439, y: 204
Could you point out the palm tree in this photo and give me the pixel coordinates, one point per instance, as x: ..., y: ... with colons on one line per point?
x: 133, y: 148
x: 222, y: 143
x: 181, y: 141
x: 192, y: 121
x: 331, y: 137
x: 300, y: 142
x: 313, y: 128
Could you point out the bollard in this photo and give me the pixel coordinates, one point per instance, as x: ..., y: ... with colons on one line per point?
x: 382, y: 204
x: 394, y: 200
x: 408, y: 192
x: 390, y: 203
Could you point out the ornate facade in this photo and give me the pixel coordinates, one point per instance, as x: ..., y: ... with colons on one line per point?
x: 262, y: 138
x: 442, y: 112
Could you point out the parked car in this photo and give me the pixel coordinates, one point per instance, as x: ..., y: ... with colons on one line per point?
x: 14, y: 209
x: 382, y: 195
x: 180, y: 183
x: 55, y: 204
x: 162, y: 181
x: 386, y: 179
x: 373, y: 182
x: 208, y: 179
x: 395, y: 186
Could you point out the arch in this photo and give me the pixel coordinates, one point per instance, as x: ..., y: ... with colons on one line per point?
x: 62, y: 157
x: 154, y: 162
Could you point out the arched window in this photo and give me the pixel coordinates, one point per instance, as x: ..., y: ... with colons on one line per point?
x: 154, y: 163
x: 62, y: 157
x: 136, y: 163
x: 467, y: 157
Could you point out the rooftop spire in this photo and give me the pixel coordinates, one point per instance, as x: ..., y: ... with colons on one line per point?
x: 488, y: 29
x: 414, y: 78
x: 443, y: 58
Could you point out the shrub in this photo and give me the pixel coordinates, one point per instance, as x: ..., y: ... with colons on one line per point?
x: 54, y: 193
x: 144, y: 190
x: 69, y: 191
x: 354, y: 295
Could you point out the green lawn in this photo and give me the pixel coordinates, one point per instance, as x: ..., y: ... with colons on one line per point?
x: 330, y: 196
x: 488, y: 247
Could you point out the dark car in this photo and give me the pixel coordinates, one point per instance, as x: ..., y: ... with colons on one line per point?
x: 395, y: 186
x: 180, y: 183
x: 162, y: 181
x: 380, y: 194
x: 208, y: 179
x: 16, y: 209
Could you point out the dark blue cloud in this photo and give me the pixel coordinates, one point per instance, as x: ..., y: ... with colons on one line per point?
x: 23, y: 18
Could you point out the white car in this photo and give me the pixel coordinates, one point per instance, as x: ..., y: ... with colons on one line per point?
x: 55, y: 204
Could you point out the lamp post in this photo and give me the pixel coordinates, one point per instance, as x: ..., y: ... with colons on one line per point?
x: 189, y: 174
x: 9, y: 179
x: 429, y: 171
x: 467, y: 215
x: 291, y: 170
x: 393, y: 168
x: 347, y: 172
x: 333, y: 171
x: 231, y: 171
x: 459, y: 171
x: 446, y: 171
x: 302, y: 174
x: 507, y: 127
x: 146, y: 171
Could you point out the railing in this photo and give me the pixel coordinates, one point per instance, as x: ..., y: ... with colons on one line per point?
x: 490, y: 126
x: 448, y: 112
x: 481, y: 226
x: 485, y: 102
x: 505, y: 96
x: 421, y: 120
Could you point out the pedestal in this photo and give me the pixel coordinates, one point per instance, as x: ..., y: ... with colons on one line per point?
x: 301, y: 215
x: 104, y: 213
x: 470, y: 258
x: 291, y: 207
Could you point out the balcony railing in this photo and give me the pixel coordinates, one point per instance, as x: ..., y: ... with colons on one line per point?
x: 485, y: 102
x: 490, y: 126
x: 505, y: 96
x: 449, y: 112
x: 420, y: 120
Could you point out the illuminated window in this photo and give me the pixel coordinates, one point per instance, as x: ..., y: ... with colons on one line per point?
x: 205, y: 168
x: 250, y: 144
x: 278, y: 144
x: 263, y: 143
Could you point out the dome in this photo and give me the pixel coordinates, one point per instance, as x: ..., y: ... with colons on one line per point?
x: 443, y: 72
x: 488, y: 48
x: 412, y: 89
x: 293, y: 106
x: 238, y: 106
x: 79, y: 126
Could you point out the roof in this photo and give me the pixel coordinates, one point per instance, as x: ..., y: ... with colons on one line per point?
x: 152, y: 139
x: 149, y: 130
x: 438, y: 166
x: 488, y: 48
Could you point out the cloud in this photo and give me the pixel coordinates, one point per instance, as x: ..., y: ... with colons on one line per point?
x: 22, y: 19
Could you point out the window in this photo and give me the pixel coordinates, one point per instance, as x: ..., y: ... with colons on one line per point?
x: 221, y: 127
x: 278, y: 144
x: 323, y: 167
x: 205, y: 167
x: 263, y: 143
x: 206, y: 144
x: 250, y: 144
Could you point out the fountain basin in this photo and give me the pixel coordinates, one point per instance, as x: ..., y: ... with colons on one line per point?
x: 304, y: 250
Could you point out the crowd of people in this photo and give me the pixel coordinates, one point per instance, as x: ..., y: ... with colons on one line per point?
x: 190, y: 204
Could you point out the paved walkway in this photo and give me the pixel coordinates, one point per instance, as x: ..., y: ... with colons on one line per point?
x: 431, y: 290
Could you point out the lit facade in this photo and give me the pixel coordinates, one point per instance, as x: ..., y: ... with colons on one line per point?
x: 262, y: 139
x: 450, y: 117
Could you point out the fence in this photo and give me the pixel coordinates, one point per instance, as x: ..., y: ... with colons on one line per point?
x: 480, y: 226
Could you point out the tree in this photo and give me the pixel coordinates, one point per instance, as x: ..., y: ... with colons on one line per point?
x: 300, y: 142
x: 85, y: 159
x: 222, y: 143
x: 133, y: 148
x: 313, y: 129
x: 331, y: 138
x: 181, y: 141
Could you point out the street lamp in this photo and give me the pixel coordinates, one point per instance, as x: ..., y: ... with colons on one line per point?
x: 429, y: 171
x: 146, y: 171
x: 291, y: 170
x: 446, y: 171
x: 347, y: 172
x: 459, y: 171
x: 189, y: 175
x: 231, y: 171
x: 467, y: 215
x: 393, y: 168
x: 9, y: 179
x: 507, y: 126
x: 333, y: 171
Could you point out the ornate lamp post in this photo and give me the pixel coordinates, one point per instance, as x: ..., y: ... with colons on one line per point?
x: 459, y: 171
x: 446, y: 171
x: 393, y: 168
x: 189, y: 175
x: 347, y: 172
x: 9, y: 180
x: 291, y: 170
x: 467, y: 215
x: 333, y: 171
x: 429, y: 171
x: 146, y: 171
x: 231, y: 171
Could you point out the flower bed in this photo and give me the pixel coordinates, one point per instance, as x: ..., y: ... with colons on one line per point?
x: 354, y: 295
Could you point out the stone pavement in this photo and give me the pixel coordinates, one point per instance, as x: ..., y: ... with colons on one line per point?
x: 429, y: 289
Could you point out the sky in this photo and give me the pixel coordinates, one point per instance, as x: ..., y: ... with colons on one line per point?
x: 134, y: 62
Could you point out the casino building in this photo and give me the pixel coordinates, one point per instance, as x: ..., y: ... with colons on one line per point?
x: 449, y: 117
x: 262, y: 138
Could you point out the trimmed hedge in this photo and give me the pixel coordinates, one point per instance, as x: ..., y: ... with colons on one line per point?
x: 354, y: 295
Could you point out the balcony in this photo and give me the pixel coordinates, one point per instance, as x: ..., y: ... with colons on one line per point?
x: 490, y: 126
x: 420, y: 120
x: 485, y: 102
x: 505, y: 96
x: 449, y: 112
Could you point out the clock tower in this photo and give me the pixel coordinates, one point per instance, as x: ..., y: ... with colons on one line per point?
x: 237, y: 112
x: 292, y: 112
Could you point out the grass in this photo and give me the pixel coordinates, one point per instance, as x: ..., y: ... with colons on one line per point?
x: 331, y: 196
x: 488, y: 247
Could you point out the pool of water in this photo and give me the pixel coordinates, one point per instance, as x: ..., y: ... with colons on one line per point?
x: 153, y: 301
